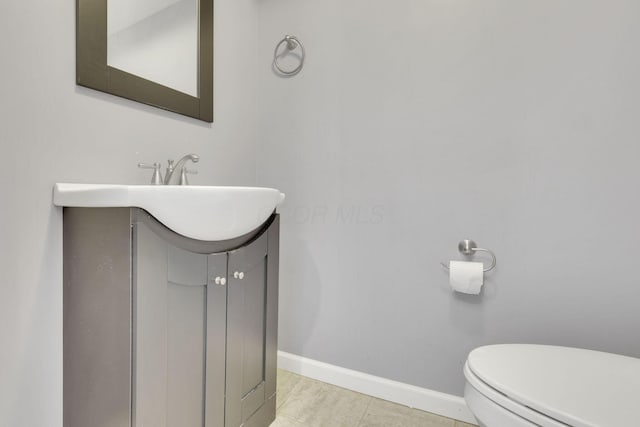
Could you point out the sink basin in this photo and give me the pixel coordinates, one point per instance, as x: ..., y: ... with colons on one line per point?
x: 198, y: 212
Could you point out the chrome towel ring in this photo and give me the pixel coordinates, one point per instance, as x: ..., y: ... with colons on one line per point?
x: 468, y: 247
x: 292, y: 43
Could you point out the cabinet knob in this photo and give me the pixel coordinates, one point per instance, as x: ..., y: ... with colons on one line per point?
x: 220, y: 281
x: 238, y: 275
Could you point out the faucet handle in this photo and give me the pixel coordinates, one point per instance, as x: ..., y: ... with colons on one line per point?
x: 156, y: 178
x: 183, y: 175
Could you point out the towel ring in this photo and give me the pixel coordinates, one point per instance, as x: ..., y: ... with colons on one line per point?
x: 468, y: 247
x: 292, y: 43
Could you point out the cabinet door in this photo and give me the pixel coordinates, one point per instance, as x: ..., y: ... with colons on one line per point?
x: 179, y: 323
x: 251, y: 332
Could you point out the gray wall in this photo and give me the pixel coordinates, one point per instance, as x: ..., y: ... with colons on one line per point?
x: 52, y: 131
x: 416, y: 123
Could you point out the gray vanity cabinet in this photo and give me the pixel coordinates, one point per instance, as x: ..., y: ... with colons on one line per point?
x: 165, y: 331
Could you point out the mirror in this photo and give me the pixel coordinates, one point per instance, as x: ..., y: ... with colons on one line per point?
x: 159, y: 52
x: 156, y: 40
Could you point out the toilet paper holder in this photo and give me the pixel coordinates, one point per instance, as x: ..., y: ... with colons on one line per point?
x: 469, y: 247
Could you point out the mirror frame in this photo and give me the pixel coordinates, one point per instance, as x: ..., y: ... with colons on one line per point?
x: 92, y: 70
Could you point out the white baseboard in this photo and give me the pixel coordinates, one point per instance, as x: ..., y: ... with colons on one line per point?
x: 424, y: 399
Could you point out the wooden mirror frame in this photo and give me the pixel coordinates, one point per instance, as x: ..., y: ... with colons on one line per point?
x: 92, y: 70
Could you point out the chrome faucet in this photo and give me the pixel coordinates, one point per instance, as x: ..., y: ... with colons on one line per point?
x: 180, y: 165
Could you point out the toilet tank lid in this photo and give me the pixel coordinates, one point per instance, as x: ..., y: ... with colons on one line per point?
x: 582, y: 388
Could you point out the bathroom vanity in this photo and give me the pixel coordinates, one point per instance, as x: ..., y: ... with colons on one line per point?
x: 165, y: 330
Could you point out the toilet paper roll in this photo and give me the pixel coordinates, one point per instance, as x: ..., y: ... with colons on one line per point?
x: 466, y: 277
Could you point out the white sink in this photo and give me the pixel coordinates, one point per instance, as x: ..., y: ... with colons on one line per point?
x: 198, y: 212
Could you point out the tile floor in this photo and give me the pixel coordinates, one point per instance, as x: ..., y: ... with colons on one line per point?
x: 303, y: 402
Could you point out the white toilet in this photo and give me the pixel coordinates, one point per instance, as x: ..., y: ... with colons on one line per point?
x: 515, y: 385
